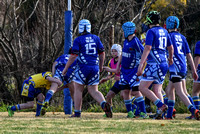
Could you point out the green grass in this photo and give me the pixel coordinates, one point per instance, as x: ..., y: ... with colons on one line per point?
x: 57, y: 122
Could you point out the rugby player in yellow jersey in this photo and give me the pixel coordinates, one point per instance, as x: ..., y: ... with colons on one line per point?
x: 31, y: 89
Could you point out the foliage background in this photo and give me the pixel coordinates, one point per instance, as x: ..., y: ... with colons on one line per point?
x: 32, y: 35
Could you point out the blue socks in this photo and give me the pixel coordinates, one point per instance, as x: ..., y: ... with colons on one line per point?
x: 128, y: 105
x: 141, y: 104
x: 191, y: 109
x: 16, y: 107
x: 171, y: 104
x: 39, y: 107
x: 166, y: 100
x: 49, y: 94
x: 191, y: 100
x: 196, y: 101
x: 77, y: 113
x: 158, y: 103
x: 103, y: 104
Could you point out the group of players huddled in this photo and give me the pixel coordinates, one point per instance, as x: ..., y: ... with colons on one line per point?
x: 138, y: 71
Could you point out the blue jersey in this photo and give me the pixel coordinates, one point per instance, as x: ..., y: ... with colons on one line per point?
x: 131, y: 53
x: 159, y: 39
x: 62, y: 60
x: 181, y: 48
x: 87, y: 47
x: 197, y: 51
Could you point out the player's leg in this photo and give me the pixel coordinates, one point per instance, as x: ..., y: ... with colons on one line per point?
x: 71, y: 89
x: 53, y: 89
x: 140, y: 102
x: 109, y: 97
x: 185, y: 99
x: 116, y: 88
x: 28, y: 92
x: 148, y: 103
x: 144, y: 89
x: 78, y: 92
x: 126, y: 91
x: 98, y: 96
x: 40, y: 100
x: 185, y: 91
x: 157, y: 89
x: 195, y: 94
x: 50, y: 92
x: 171, y: 99
x: 196, y: 91
x: 48, y: 96
x: 167, y: 91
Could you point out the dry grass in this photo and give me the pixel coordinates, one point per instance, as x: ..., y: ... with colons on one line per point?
x: 26, y: 122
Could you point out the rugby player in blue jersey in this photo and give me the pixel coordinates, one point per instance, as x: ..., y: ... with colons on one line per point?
x: 57, y: 69
x: 89, y: 51
x: 129, y: 61
x: 157, y: 40
x: 178, y: 69
x: 196, y: 84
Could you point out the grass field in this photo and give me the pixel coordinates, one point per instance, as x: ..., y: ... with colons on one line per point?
x: 26, y: 122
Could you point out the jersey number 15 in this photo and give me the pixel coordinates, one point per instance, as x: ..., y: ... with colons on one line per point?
x: 90, y: 48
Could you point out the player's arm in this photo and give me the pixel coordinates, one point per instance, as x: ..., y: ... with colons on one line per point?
x: 145, y: 53
x: 106, y: 78
x: 191, y: 62
x: 53, y: 67
x: 117, y: 70
x: 171, y: 52
x: 101, y: 60
x: 72, y: 58
x: 54, y: 80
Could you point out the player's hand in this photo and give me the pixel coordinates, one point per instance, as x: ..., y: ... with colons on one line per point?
x: 170, y: 61
x: 195, y: 76
x: 117, y: 78
x: 64, y: 72
x: 106, y: 68
x: 103, y: 80
x: 100, y: 69
x: 140, y: 70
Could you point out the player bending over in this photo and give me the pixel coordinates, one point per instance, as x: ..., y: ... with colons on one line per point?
x: 31, y: 89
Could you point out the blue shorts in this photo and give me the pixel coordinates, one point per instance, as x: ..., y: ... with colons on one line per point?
x: 155, y: 73
x: 116, y: 88
x: 128, y: 77
x: 29, y: 91
x: 87, y: 75
x: 67, y: 78
x: 176, y: 76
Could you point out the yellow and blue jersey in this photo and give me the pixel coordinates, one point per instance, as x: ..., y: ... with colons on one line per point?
x: 39, y: 80
x: 143, y: 38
